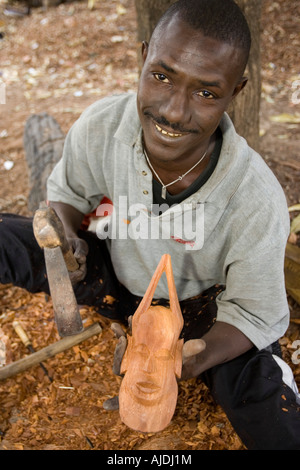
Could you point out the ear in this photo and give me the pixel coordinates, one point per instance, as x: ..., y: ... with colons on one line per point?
x: 241, y: 84
x: 178, y: 358
x: 145, y: 48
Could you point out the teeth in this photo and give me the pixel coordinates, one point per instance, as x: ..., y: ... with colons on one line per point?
x: 170, y: 134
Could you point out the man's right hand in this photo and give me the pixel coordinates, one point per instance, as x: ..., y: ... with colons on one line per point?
x: 80, y: 249
x: 71, y: 219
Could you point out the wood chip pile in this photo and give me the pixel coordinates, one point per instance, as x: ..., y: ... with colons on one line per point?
x: 68, y: 412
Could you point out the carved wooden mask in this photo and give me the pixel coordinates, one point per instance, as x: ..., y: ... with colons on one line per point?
x: 153, y: 359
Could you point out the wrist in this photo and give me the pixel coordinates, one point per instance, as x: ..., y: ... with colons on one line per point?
x: 194, y: 366
x: 70, y: 217
x: 224, y: 342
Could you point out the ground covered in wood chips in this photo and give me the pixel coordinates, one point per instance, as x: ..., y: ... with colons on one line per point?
x: 60, y: 61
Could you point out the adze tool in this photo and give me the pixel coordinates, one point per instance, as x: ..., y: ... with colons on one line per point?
x: 49, y: 233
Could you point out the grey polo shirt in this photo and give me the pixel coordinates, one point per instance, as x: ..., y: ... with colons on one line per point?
x: 232, y: 231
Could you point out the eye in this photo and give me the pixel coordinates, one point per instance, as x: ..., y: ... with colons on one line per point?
x: 205, y: 94
x: 164, y: 355
x: 161, y: 77
x: 142, y: 350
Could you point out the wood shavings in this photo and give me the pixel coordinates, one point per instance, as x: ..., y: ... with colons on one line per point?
x: 5, y: 349
x: 68, y: 413
x: 108, y: 299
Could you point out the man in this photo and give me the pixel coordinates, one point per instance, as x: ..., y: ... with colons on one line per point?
x: 182, y: 182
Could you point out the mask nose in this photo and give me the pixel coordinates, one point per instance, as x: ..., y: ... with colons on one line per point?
x: 149, y: 364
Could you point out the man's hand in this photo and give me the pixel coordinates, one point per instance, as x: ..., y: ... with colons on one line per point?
x: 121, y: 345
x: 223, y: 342
x: 80, y: 249
x: 190, y: 350
x: 71, y: 219
x: 113, y: 403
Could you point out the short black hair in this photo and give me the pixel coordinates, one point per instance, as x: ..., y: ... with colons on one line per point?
x: 222, y: 20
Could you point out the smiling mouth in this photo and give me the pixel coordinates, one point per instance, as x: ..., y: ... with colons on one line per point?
x: 169, y: 134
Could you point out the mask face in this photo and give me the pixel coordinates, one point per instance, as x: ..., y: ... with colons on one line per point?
x: 153, y: 359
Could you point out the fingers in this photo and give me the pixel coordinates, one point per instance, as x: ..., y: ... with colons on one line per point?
x: 191, y: 348
x: 130, y: 324
x: 190, y: 361
x: 80, y: 249
x: 111, y: 404
x: 118, y: 355
x: 118, y: 330
x: 79, y: 274
x: 120, y: 348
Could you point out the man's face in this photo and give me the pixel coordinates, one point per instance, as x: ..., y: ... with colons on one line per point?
x: 187, y: 82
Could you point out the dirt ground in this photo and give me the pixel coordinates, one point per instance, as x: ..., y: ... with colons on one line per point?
x: 60, y: 61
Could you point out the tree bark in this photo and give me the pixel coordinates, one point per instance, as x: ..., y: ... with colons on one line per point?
x: 148, y: 14
x: 43, y: 144
x: 244, y: 110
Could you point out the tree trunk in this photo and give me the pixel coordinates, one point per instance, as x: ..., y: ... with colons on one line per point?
x: 148, y: 14
x: 43, y: 144
x: 245, y: 108
x: 244, y: 111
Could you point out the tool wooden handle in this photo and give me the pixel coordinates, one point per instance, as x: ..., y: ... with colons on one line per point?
x: 49, y: 233
x: 47, y: 352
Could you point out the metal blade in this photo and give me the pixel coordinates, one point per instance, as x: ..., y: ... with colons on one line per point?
x: 67, y: 315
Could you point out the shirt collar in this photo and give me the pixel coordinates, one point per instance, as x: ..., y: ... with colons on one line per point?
x: 129, y: 129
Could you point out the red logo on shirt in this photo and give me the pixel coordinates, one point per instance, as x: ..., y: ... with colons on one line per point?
x: 184, y: 242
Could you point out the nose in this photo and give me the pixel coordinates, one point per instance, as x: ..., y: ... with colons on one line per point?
x: 175, y: 108
x: 149, y: 364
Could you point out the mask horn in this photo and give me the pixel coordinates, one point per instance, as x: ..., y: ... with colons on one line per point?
x: 164, y: 265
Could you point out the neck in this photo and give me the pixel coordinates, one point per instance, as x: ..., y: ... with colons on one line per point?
x: 180, y: 174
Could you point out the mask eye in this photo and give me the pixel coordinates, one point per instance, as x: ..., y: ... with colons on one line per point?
x: 141, y: 350
x: 164, y: 355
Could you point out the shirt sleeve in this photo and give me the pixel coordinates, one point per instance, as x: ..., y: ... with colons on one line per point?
x: 72, y: 181
x: 255, y: 299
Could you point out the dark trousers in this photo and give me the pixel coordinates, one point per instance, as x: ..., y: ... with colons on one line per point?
x: 262, y: 408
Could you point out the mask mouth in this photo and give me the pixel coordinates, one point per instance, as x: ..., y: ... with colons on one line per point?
x: 147, y: 387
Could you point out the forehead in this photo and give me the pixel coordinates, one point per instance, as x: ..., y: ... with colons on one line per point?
x: 191, y: 52
x: 156, y: 327
x: 154, y: 318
